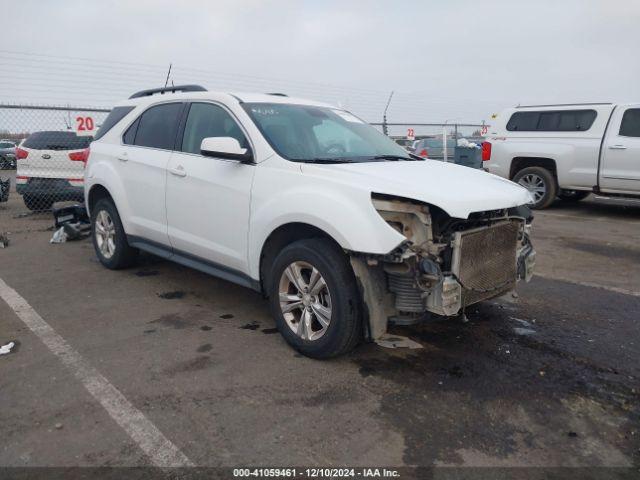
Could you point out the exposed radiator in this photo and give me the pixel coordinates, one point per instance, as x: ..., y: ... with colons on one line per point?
x: 485, y: 261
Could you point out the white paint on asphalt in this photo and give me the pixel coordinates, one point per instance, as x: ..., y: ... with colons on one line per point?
x: 161, y: 451
x: 624, y: 291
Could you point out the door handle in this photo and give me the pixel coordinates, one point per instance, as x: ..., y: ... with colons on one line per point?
x: 178, y: 171
x: 617, y: 147
x: 123, y: 157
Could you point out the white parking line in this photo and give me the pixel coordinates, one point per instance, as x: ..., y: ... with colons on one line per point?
x: 160, y: 450
x: 624, y: 291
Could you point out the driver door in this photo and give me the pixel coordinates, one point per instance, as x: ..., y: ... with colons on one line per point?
x: 208, y: 199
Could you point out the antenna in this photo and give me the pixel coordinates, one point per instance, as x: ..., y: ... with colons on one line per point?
x: 166, y: 82
x: 384, y: 115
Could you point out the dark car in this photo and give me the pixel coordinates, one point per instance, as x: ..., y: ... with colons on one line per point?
x: 7, y: 155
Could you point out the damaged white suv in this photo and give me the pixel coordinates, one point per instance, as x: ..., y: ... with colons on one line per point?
x: 338, y: 226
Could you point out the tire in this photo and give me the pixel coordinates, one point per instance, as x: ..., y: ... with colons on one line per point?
x: 541, y: 183
x: 109, y: 238
x: 37, y: 203
x: 573, y: 195
x: 339, y: 291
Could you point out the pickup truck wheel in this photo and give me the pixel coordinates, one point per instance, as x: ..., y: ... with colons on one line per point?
x: 109, y: 237
x: 573, y: 195
x: 314, y: 298
x: 541, y: 183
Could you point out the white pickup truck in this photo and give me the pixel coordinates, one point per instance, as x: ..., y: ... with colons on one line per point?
x: 567, y: 151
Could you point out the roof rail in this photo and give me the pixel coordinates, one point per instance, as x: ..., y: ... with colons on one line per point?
x: 172, y: 89
x: 275, y: 94
x: 565, y: 105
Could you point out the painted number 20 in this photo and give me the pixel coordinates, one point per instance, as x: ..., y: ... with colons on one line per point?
x: 84, y: 124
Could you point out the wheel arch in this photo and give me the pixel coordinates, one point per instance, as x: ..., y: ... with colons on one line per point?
x: 282, y: 236
x: 97, y: 192
x: 520, y: 163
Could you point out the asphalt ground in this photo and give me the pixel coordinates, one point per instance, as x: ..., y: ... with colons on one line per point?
x: 548, y: 377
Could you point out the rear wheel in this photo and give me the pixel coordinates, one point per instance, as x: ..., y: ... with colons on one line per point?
x: 541, y: 183
x: 109, y: 237
x: 314, y: 298
x: 573, y: 195
x: 37, y: 203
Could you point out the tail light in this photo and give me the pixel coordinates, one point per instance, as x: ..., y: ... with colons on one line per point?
x: 80, y: 156
x: 486, y: 151
x: 21, y: 153
x: 423, y: 153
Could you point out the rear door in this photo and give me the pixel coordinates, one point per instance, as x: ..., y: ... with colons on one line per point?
x: 620, y: 167
x: 142, y: 163
x: 208, y: 199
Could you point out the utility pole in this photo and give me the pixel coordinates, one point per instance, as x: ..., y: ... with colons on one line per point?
x: 385, y: 130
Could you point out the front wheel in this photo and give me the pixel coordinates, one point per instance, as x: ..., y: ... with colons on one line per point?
x: 541, y: 183
x: 109, y: 237
x: 314, y: 298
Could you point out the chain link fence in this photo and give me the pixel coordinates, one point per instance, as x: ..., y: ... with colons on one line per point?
x: 44, y: 150
x: 43, y: 154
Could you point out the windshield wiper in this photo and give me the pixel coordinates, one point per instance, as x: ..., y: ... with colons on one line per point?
x: 393, y: 158
x: 324, y: 160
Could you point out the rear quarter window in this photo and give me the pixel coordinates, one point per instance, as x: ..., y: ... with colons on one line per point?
x: 630, y: 126
x: 115, y: 115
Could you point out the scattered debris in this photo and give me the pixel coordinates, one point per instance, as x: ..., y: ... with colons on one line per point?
x: 4, y: 240
x: 572, y: 434
x: 396, y: 341
x: 250, y: 326
x: 58, y: 426
x: 172, y: 295
x: 523, y: 331
x: 226, y: 316
x: 269, y: 330
x: 5, y: 349
x: 205, y: 328
x: 60, y: 236
x: 5, y: 186
x: 71, y: 222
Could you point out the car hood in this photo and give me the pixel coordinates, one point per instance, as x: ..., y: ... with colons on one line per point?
x: 456, y: 189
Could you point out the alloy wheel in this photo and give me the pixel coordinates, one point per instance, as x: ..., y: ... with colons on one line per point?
x: 535, y: 184
x: 105, y: 231
x: 305, y: 300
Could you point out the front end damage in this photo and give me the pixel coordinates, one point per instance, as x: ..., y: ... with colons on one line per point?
x: 445, y: 264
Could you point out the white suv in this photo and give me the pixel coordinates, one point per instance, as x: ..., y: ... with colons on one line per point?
x: 339, y: 227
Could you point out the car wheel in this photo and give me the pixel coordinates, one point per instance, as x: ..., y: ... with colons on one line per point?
x: 109, y: 237
x: 37, y: 203
x: 314, y: 298
x: 541, y: 183
x: 573, y: 195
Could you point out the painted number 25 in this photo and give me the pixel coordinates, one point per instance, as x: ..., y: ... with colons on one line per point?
x: 84, y: 124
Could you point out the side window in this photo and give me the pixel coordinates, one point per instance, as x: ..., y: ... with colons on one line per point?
x: 552, y: 121
x: 523, y: 122
x: 130, y: 135
x: 208, y: 120
x: 156, y: 127
x: 630, y: 126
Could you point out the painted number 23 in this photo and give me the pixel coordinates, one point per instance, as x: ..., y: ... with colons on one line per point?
x: 84, y: 124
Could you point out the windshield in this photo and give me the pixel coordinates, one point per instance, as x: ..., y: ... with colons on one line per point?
x: 318, y: 134
x: 6, y: 145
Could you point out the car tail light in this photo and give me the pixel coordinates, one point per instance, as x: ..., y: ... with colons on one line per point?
x: 21, y: 154
x: 486, y: 151
x: 423, y: 153
x: 80, y: 156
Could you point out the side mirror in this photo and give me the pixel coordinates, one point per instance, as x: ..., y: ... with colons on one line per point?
x: 225, y: 147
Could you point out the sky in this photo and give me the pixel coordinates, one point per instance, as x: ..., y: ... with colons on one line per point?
x: 456, y: 60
